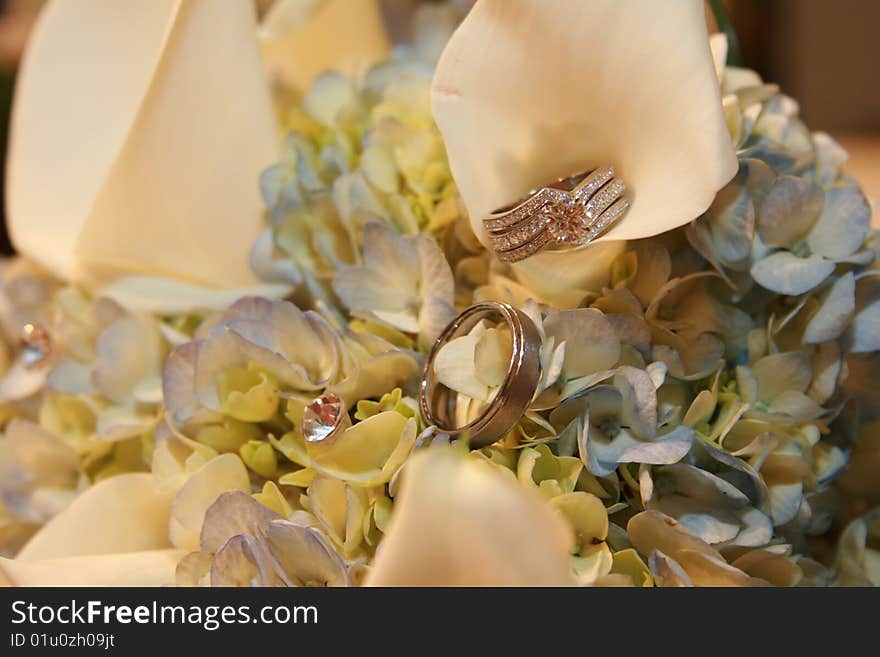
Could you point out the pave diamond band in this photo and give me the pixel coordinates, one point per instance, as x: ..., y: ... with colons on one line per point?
x: 569, y: 212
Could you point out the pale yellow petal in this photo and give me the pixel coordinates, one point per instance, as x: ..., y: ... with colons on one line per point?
x: 125, y: 513
x: 147, y: 568
x: 459, y: 522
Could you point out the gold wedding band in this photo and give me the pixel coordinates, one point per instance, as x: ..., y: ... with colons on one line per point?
x: 437, y: 402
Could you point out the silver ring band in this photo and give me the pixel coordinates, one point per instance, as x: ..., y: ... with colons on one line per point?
x: 571, y: 212
x: 437, y: 403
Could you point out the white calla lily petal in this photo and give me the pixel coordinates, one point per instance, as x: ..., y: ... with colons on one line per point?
x: 128, y: 569
x: 529, y: 91
x: 122, y: 202
x: 439, y: 536
x: 301, y: 38
x: 125, y: 513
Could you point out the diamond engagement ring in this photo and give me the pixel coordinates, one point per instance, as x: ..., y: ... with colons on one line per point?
x: 437, y: 402
x: 571, y: 212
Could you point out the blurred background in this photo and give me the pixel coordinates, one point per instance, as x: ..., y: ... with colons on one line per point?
x: 824, y: 53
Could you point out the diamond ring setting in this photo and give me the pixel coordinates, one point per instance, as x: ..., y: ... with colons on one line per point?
x: 567, y: 213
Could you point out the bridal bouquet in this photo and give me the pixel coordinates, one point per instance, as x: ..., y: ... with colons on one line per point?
x: 241, y: 238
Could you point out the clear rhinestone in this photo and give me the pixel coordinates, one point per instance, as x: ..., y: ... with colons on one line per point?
x: 323, y: 417
x: 36, y: 344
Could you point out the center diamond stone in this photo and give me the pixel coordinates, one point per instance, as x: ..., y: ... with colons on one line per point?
x: 566, y: 221
x: 322, y: 417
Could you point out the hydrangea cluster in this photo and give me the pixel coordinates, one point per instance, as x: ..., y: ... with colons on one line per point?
x: 707, y: 415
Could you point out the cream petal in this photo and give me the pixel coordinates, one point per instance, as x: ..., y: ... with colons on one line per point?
x: 455, y: 368
x: 224, y: 473
x: 371, y: 451
x: 777, y: 373
x: 125, y: 513
x: 439, y: 537
x: 153, y: 294
x: 711, y: 570
x: 46, y: 459
x: 667, y: 572
x: 652, y: 530
x: 144, y: 568
x: 136, y: 206
x: 632, y: 83
x: 301, y: 38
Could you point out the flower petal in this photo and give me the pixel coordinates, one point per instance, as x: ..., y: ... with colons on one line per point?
x: 226, y: 472
x: 125, y: 513
x: 439, y: 537
x: 135, y: 206
x: 301, y: 38
x: 844, y: 223
x: 785, y: 273
x: 789, y: 210
x: 128, y: 569
x: 832, y: 316
x: 516, y: 114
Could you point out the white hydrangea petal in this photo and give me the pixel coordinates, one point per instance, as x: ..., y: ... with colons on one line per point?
x: 864, y: 332
x: 666, y: 449
x: 21, y: 380
x: 785, y: 501
x: 785, y: 273
x: 455, y: 368
x: 639, y: 407
x: 270, y: 268
x: 439, y: 537
x: 178, y: 382
x: 778, y: 373
x: 591, y: 345
x: 789, y: 211
x: 233, y: 512
x: 492, y: 355
x: 844, y: 224
x: 304, y: 554
x: 126, y: 351
x: 437, y: 290
x: 832, y: 316
x: 515, y: 114
x: 226, y: 472
x: 242, y: 562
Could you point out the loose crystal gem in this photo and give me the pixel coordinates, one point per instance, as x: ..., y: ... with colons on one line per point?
x: 322, y: 417
x: 36, y: 344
